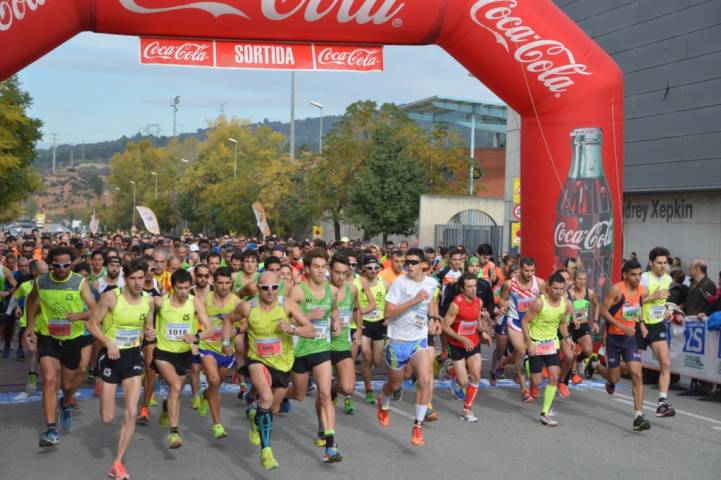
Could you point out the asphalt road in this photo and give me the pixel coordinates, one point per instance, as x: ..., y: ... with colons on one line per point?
x: 594, y: 440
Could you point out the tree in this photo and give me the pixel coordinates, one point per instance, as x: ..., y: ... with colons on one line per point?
x: 19, y: 135
x: 385, y: 197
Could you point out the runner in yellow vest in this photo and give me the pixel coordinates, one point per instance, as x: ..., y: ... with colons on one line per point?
x: 372, y: 298
x: 58, y: 333
x: 270, y: 322
x: 119, y: 322
x: 177, y: 331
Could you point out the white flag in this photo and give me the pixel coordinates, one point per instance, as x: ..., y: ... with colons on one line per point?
x: 149, y: 219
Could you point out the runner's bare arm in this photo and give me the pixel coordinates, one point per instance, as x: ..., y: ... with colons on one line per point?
x: 106, y: 304
x: 563, y: 325
x: 149, y: 332
x: 89, y: 300
x: 533, y: 309
x: 202, y: 315
x: 303, y: 327
x: 369, y: 295
x: 448, y: 321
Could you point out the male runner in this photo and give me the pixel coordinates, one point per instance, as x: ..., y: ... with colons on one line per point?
x: 123, y: 313
x: 201, y: 289
x: 586, y: 312
x: 21, y: 293
x: 409, y: 309
x: 373, y: 313
x: 544, y: 317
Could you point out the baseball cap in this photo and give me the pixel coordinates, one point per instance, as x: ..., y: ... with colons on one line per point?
x: 194, y: 247
x: 370, y: 259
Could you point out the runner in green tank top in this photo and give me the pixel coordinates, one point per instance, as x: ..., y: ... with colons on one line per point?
x: 248, y: 275
x: 270, y: 322
x: 57, y: 333
x: 178, y: 317
x: 586, y: 312
x: 340, y: 346
x: 123, y: 313
x: 316, y: 299
x: 545, y: 316
x: 372, y: 298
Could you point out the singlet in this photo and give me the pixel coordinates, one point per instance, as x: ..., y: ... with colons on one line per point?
x: 238, y: 283
x: 654, y: 311
x: 173, y: 323
x: 466, y: 322
x: 321, y: 341
x: 628, y: 309
x: 104, y: 287
x: 543, y: 329
x: 216, y: 315
x: 581, y: 307
x: 379, y: 293
x: 487, y: 271
x: 520, y: 298
x: 266, y: 343
x: 342, y: 343
x: 57, y: 299
x: 124, y: 324
x: 94, y: 278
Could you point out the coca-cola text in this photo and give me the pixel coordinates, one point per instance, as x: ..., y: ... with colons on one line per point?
x: 15, y: 10
x: 598, y: 236
x: 189, y: 52
x: 359, y: 57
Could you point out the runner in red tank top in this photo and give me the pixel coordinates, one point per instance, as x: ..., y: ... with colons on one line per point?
x: 465, y: 324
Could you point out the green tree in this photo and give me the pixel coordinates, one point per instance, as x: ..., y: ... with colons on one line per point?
x: 19, y: 135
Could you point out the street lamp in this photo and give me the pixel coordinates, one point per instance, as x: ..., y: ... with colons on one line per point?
x: 320, y: 140
x: 155, y: 174
x: 132, y: 182
x: 235, y: 156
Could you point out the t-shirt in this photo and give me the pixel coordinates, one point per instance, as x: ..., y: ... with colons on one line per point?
x: 389, y: 275
x: 413, y: 323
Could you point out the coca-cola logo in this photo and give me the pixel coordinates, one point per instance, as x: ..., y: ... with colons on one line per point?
x: 360, y: 57
x: 15, y: 10
x: 551, y: 60
x: 598, y: 236
x: 362, y: 12
x: 186, y: 52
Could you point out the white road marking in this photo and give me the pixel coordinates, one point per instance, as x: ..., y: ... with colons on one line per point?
x: 652, y: 406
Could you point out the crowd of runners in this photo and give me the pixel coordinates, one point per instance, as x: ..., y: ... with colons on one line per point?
x: 283, y: 318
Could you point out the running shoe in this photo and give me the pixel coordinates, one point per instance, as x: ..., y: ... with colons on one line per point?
x: 384, y: 416
x: 610, y: 388
x: 174, y: 440
x: 431, y: 415
x: 468, y: 416
x: 285, y: 405
x: 590, y: 363
x: 397, y: 395
x: 267, y: 460
x: 348, y: 405
x: 311, y: 387
x: 417, y: 436
x: 576, y: 379
x: 164, y: 419
x: 74, y: 403
x: 253, y: 434
x: 143, y: 416
x: 665, y: 409
x: 457, y: 390
x: 494, y: 379
x: 546, y: 420
x: 332, y: 455
x: 534, y: 391
x: 20, y: 354
x: 563, y: 390
x: 31, y: 385
x: 66, y: 417
x: 153, y: 402
x: 49, y: 438
x: 195, y: 402
x: 203, y: 405
x: 370, y: 397
x: 219, y: 431
x: 320, y: 440
x: 640, y: 424
x: 243, y: 390
x: 526, y: 396
x: 117, y: 472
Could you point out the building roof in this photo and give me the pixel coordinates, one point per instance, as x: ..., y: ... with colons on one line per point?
x: 488, y: 116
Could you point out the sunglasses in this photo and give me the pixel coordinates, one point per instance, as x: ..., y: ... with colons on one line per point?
x: 265, y: 288
x: 62, y: 266
x: 412, y: 263
x: 372, y: 269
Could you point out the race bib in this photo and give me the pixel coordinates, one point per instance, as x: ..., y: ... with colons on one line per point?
x: 59, y: 327
x: 217, y: 335
x: 374, y: 315
x: 268, y: 347
x: 321, y: 332
x: 580, y: 316
x: 467, y: 328
x: 127, y: 338
x: 420, y: 317
x: 523, y: 304
x: 545, y: 347
x: 631, y: 313
x: 176, y: 331
x: 658, y: 312
x: 345, y: 316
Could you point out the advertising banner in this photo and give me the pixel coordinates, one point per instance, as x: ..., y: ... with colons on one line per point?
x: 149, y: 220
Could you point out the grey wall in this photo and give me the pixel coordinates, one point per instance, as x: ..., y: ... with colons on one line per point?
x: 670, y: 52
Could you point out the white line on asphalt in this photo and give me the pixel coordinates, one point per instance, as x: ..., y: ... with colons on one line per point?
x: 716, y: 428
x: 651, y: 406
x: 392, y: 408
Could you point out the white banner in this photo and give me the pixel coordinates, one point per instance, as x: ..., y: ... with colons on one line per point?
x: 695, y: 351
x: 149, y: 219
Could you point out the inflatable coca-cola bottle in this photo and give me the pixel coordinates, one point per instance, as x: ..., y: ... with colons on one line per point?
x: 584, y: 218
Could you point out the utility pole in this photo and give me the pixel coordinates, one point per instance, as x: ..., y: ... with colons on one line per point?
x: 55, y: 138
x: 72, y: 154
x: 174, y: 106
x: 292, y: 117
x: 82, y: 149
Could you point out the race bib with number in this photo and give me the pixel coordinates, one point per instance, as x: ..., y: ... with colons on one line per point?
x: 420, y: 315
x: 59, y: 327
x: 127, y: 338
x: 321, y: 331
x: 268, y: 347
x: 581, y: 316
x: 176, y: 331
x: 523, y: 304
x: 545, y: 347
x: 631, y: 313
x: 467, y: 328
x: 374, y: 315
x: 658, y: 312
x: 345, y: 316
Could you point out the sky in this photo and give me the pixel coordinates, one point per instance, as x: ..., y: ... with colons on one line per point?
x: 93, y: 88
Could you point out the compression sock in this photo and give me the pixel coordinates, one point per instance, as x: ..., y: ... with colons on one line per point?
x: 421, y: 413
x: 548, y: 395
x: 385, y: 402
x: 471, y: 392
x: 329, y: 438
x: 264, y: 422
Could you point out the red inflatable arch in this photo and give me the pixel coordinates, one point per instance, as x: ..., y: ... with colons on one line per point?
x: 568, y: 91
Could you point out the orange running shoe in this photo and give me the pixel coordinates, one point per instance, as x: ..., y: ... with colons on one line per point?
x: 534, y: 391
x: 117, y: 472
x: 144, y: 416
x: 576, y: 379
x: 417, y: 436
x: 384, y: 416
x: 563, y: 390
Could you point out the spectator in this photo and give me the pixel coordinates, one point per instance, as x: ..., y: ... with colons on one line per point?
x: 678, y: 291
x: 701, y: 288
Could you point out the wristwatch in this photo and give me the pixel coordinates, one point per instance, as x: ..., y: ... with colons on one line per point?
x: 225, y: 343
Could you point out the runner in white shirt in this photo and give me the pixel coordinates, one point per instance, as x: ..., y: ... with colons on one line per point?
x: 410, y: 306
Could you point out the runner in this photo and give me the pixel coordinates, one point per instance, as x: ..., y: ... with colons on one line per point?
x: 653, y: 331
x: 316, y: 298
x: 463, y: 327
x: 21, y: 293
x: 410, y: 309
x: 178, y: 317
x: 397, y: 258
x: 123, y: 313
x: 201, y: 289
x: 568, y: 349
x: 270, y: 322
x: 517, y: 294
x: 499, y: 359
x: 372, y: 311
x: 487, y: 269
x: 622, y: 311
x: 544, y: 317
x: 150, y: 376
x: 586, y: 312
x: 219, y: 303
x: 97, y: 266
x: 57, y: 331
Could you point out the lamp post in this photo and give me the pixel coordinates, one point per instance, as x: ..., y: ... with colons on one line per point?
x: 320, y: 140
x: 235, y: 156
x: 132, y: 182
x: 155, y: 174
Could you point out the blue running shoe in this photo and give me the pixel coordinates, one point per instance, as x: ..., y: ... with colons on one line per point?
x: 66, y: 417
x: 285, y: 406
x: 457, y: 390
x: 49, y: 438
x: 332, y: 455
